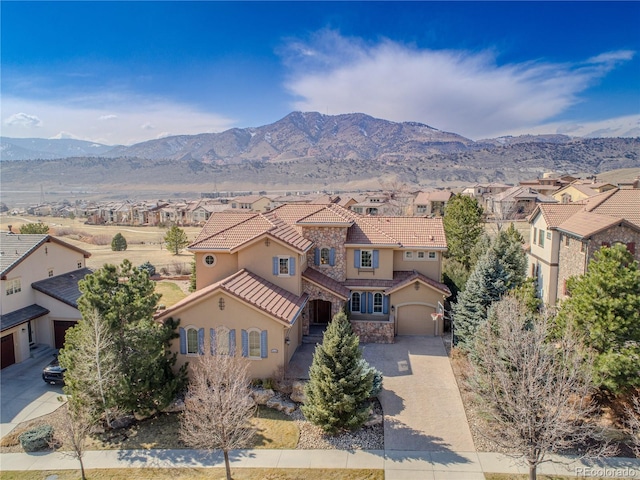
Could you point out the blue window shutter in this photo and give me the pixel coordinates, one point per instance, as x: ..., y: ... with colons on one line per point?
x: 356, y: 258
x: 263, y: 344
x: 232, y: 342
x: 212, y: 340
x: 292, y: 266
x: 275, y: 266
x: 316, y: 256
x: 363, y: 303
x: 385, y: 304
x: 201, y: 341
x: 349, y: 305
x: 245, y: 343
x: 369, y: 302
x: 332, y: 257
x: 376, y: 258
x: 183, y: 341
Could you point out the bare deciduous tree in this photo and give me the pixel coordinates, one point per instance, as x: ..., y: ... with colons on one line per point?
x: 218, y: 407
x: 74, y: 429
x: 535, y: 392
x: 633, y: 424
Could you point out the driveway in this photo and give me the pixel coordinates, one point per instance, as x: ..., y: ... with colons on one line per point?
x: 23, y: 393
x: 421, y: 402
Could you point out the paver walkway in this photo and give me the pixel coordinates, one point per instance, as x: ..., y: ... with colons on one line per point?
x: 422, y: 407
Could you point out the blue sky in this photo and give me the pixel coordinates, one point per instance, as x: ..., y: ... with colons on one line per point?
x: 124, y: 72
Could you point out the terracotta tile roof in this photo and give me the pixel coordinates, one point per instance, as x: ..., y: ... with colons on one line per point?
x: 253, y: 290
x: 438, y: 196
x: 585, y: 224
x: 555, y: 214
x: 326, y: 282
x: 412, y: 231
x: 402, y: 279
x: 619, y: 203
x: 325, y: 216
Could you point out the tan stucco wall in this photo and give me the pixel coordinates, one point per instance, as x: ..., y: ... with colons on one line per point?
x: 385, y: 271
x: 257, y: 258
x: 415, y: 305
x: 226, y: 264
x: 43, y: 327
x: 236, y: 315
x: 36, y: 267
x: 429, y: 268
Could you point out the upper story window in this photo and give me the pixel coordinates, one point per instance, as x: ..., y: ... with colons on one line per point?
x: 566, y: 240
x: 366, y: 259
x: 209, y: 260
x: 50, y: 272
x: 14, y: 286
x: 409, y: 255
x: 421, y: 209
x: 284, y: 266
x: 79, y: 264
x: 324, y: 256
x: 541, y: 238
x: 548, y: 235
x: 535, y: 235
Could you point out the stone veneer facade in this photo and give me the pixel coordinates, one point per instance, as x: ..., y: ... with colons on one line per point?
x: 317, y: 293
x: 330, y: 237
x: 374, y: 331
x: 571, y: 261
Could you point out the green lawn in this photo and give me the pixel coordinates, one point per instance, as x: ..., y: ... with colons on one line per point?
x: 171, y: 293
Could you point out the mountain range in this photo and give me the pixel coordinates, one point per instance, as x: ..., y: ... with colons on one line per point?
x: 311, y: 150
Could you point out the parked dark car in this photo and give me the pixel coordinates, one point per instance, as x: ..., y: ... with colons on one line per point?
x: 53, y: 373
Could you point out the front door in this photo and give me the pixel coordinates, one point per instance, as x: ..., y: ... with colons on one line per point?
x: 321, y: 312
x: 8, y: 352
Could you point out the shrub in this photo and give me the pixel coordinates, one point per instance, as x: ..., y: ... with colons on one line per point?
x: 367, y: 370
x: 149, y: 268
x: 36, y: 439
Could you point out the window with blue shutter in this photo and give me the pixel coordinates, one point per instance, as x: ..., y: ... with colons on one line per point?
x: 245, y: 343
x: 212, y: 341
x: 363, y: 302
x: 183, y: 341
x: 369, y: 302
x: 264, y: 352
x: 385, y: 304
x: 316, y: 256
x: 292, y: 266
x: 376, y: 259
x: 332, y: 257
x: 232, y: 342
x: 201, y: 341
x: 276, y: 265
x: 356, y: 258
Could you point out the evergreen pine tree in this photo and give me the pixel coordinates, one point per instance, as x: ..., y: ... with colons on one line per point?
x: 508, y: 247
x: 339, y: 381
x: 487, y: 283
x: 118, y: 243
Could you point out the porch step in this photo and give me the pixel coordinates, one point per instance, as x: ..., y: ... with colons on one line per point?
x: 40, y: 350
x: 313, y: 339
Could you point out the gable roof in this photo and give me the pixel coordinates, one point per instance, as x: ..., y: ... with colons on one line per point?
x: 253, y: 290
x: 231, y: 230
x: 63, y: 287
x: 555, y: 214
x: 326, y: 282
x: 16, y: 247
x: 21, y: 315
x: 618, y: 203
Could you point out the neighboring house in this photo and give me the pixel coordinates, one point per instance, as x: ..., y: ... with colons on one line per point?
x: 255, y: 203
x: 264, y: 280
x: 515, y: 203
x: 549, y: 183
x: 39, y: 287
x: 431, y: 203
x: 580, y: 190
x: 564, y: 237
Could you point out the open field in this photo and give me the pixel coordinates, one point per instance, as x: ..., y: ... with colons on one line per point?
x: 144, y: 243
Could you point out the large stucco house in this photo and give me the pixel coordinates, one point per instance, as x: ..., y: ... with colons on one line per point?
x: 264, y: 280
x: 565, y: 237
x: 39, y: 277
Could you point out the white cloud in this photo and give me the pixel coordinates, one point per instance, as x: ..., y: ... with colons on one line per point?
x: 92, y: 120
x: 63, y: 135
x: 625, y: 126
x: 23, y: 120
x: 459, y: 91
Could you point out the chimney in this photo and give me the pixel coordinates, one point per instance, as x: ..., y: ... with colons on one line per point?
x: 9, y: 226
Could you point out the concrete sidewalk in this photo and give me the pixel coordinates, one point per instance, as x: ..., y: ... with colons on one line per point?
x: 397, y: 465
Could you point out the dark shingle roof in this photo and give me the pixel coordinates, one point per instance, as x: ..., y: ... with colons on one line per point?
x: 22, y: 315
x: 63, y: 287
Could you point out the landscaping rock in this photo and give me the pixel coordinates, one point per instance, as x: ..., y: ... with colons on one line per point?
x: 174, y: 407
x: 297, y: 392
x: 123, y: 421
x: 262, y: 395
x: 139, y: 416
x: 282, y: 405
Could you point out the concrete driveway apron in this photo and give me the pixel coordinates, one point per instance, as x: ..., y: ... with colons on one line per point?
x: 421, y: 402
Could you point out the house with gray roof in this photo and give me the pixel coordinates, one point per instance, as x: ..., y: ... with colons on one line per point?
x: 39, y: 277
